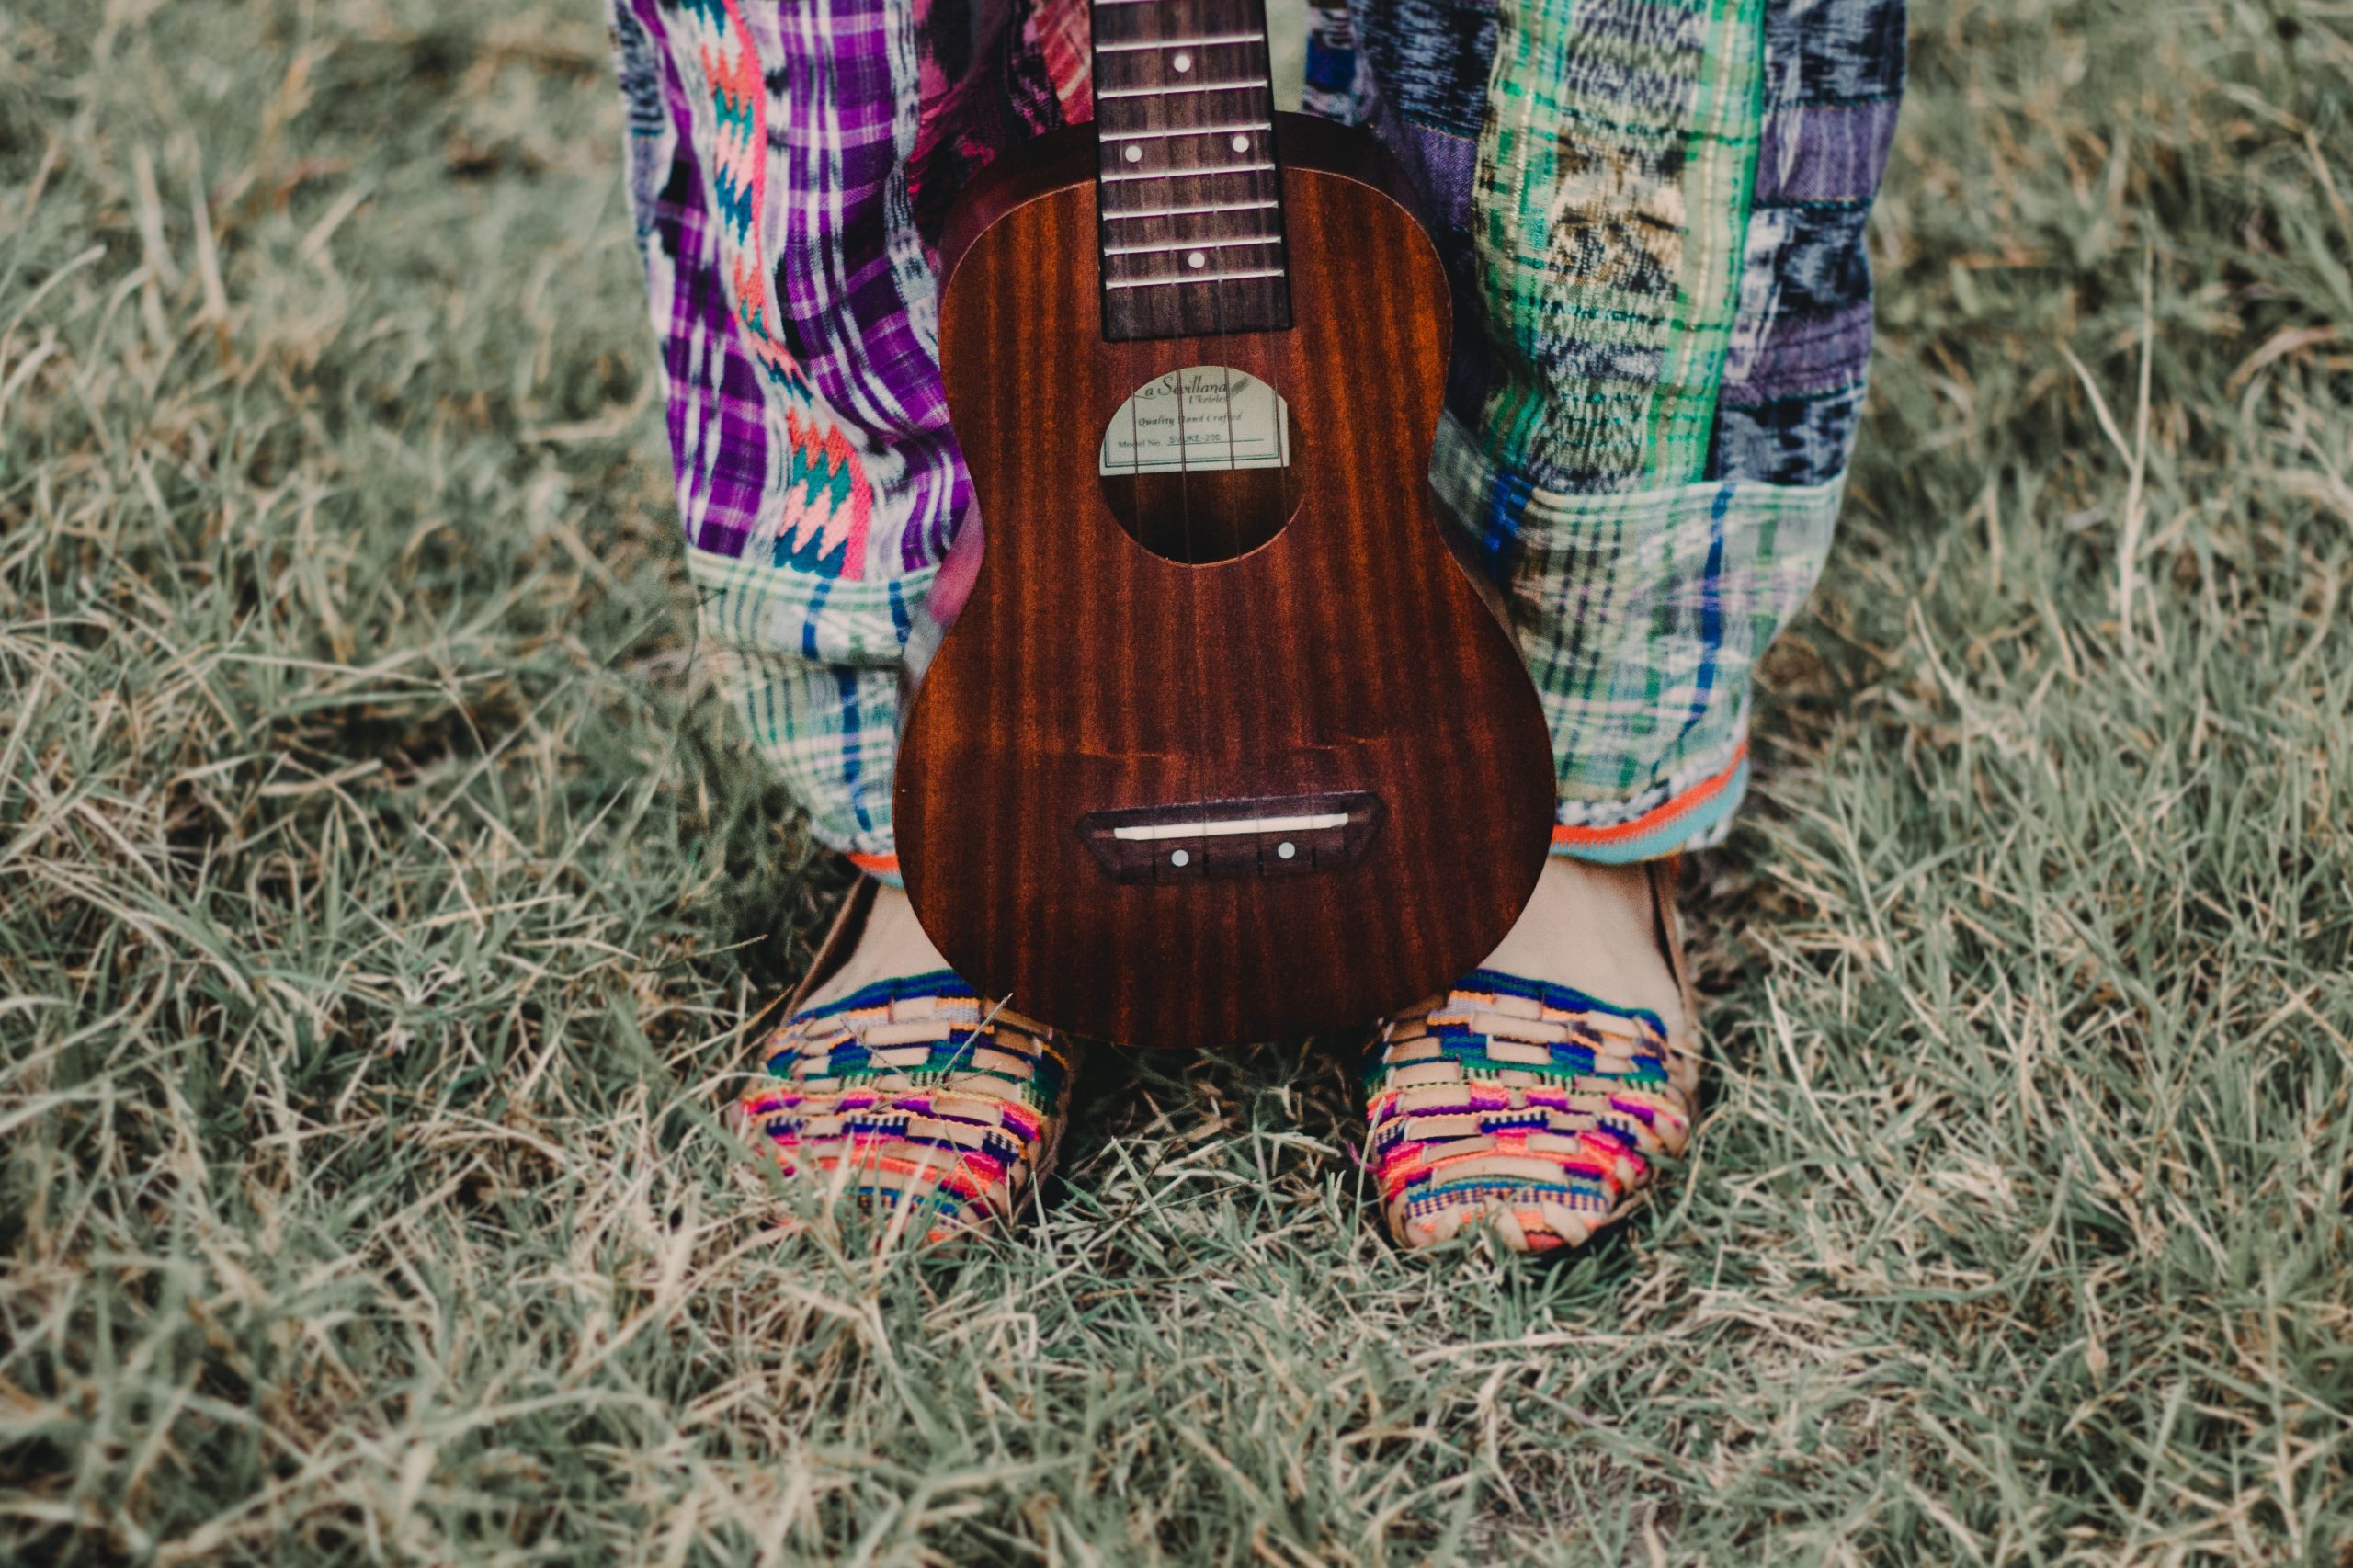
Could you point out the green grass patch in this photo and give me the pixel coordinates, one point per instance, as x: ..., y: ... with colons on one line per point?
x: 382, y: 894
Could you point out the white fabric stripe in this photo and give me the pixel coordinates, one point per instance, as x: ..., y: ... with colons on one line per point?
x: 910, y: 268
x: 905, y: 506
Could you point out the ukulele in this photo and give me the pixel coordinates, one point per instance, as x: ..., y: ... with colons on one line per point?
x: 1224, y: 744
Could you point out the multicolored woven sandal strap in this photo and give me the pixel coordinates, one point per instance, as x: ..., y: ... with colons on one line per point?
x: 1532, y: 1107
x: 914, y: 1094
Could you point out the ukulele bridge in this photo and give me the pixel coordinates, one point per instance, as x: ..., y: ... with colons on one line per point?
x: 1275, y: 835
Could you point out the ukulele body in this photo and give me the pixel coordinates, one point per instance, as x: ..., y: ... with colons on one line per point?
x: 1184, y: 805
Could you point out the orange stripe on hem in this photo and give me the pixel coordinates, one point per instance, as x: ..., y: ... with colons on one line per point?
x: 1565, y: 836
x: 876, y: 865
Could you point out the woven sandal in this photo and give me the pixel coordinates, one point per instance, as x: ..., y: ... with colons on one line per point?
x: 910, y: 1094
x: 1530, y: 1107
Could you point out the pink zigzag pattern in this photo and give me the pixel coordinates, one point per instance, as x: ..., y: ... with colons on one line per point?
x: 828, y: 500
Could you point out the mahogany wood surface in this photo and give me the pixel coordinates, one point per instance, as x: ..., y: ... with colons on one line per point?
x: 1087, y: 674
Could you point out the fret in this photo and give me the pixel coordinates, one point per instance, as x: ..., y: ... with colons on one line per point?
x: 1179, y: 43
x: 1184, y: 111
x: 1173, y: 89
x: 1194, y: 212
x: 1193, y: 245
x: 1185, y: 131
x: 1201, y: 172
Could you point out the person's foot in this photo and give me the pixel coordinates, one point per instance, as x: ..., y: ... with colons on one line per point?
x: 1535, y: 1095
x: 893, y: 1083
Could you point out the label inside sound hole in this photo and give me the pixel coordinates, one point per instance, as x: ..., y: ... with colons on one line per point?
x: 1198, y: 420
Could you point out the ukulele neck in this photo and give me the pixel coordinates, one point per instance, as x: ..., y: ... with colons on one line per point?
x: 1189, y: 193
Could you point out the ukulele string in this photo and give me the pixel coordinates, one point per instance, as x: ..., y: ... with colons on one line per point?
x: 1197, y: 775
x: 1189, y: 783
x: 1232, y: 518
x: 1240, y: 527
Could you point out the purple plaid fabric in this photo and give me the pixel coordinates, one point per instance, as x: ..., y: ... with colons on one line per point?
x: 718, y: 425
x: 789, y: 167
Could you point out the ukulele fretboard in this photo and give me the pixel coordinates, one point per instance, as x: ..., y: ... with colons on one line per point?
x: 1188, y: 197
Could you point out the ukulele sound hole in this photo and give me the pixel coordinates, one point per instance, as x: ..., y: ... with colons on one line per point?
x: 1197, y: 464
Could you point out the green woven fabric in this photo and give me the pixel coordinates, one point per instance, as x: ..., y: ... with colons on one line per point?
x: 1610, y: 212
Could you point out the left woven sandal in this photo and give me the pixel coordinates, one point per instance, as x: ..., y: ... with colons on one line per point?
x: 913, y: 1095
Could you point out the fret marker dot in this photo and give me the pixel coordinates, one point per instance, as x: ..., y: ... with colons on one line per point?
x: 1196, y: 259
x: 1178, y: 857
x: 1286, y: 850
x: 1241, y: 143
x: 1134, y: 154
x: 1180, y: 63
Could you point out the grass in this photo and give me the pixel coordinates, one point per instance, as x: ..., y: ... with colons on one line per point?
x: 380, y: 894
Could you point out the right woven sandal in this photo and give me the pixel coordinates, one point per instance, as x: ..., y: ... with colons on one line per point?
x: 1527, y: 1107
x: 1530, y: 1107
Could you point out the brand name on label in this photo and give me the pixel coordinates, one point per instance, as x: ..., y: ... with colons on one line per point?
x: 1201, y: 419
